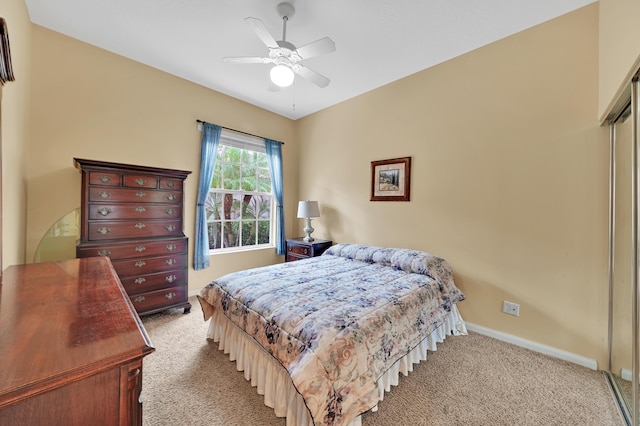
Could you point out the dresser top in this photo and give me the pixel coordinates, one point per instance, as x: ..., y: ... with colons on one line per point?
x: 83, y: 164
x: 64, y: 318
x: 301, y: 240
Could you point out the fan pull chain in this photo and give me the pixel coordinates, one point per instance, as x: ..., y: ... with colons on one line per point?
x: 293, y: 107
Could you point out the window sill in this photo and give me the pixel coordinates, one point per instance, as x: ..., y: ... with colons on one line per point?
x: 231, y: 250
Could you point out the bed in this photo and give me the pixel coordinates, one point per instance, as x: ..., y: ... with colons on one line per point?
x: 323, y: 338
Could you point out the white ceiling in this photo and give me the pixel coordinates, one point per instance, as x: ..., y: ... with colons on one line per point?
x: 377, y: 41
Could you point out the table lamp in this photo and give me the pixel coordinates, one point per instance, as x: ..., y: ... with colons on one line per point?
x: 307, y: 210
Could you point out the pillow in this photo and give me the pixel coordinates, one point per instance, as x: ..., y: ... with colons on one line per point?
x: 411, y: 261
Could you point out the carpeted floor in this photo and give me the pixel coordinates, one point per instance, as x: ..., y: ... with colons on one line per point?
x: 469, y: 380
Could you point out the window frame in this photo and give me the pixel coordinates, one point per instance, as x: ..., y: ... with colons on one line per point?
x: 244, y: 142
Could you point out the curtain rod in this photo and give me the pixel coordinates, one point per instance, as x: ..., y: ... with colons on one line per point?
x: 238, y: 131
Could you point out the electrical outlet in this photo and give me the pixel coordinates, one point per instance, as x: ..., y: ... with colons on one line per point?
x: 511, y: 308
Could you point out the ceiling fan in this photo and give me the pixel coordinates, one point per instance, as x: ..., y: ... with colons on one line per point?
x: 284, y: 55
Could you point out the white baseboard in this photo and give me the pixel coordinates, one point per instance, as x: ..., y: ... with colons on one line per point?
x: 193, y: 293
x: 534, y: 346
x: 626, y: 374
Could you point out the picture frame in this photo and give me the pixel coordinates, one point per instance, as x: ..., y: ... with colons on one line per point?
x: 6, y: 69
x: 390, y: 179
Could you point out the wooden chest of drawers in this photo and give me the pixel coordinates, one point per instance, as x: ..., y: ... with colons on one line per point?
x: 71, y: 346
x: 134, y: 215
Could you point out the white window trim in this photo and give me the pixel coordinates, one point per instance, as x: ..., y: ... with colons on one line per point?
x: 252, y: 143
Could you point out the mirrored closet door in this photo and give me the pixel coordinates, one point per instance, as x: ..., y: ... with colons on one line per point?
x: 623, y: 254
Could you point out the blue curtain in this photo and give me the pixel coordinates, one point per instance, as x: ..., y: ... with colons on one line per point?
x: 209, y: 147
x: 274, y: 154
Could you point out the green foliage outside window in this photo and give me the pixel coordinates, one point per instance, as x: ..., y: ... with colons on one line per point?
x: 240, y: 200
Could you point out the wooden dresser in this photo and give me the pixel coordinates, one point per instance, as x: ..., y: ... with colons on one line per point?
x: 134, y: 215
x: 298, y: 248
x: 71, y: 346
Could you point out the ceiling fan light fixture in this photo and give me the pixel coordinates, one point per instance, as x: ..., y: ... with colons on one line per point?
x: 284, y: 55
x: 282, y: 75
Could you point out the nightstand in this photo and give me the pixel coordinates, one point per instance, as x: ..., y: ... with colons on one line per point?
x: 298, y: 248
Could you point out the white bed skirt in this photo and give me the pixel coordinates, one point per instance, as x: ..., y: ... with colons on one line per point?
x: 272, y: 380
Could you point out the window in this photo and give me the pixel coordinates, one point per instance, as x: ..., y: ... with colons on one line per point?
x: 240, y: 203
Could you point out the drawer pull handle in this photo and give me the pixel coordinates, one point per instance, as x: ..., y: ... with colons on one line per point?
x: 171, y: 184
x: 140, y: 209
x: 170, y: 295
x: 104, y: 252
x: 139, y: 225
x: 171, y: 212
x: 104, y: 211
x: 141, y: 181
x: 139, y: 280
x: 139, y: 299
x: 170, y: 228
x: 104, y: 231
x: 105, y: 179
x: 140, y: 194
x: 171, y: 247
x: 139, y: 264
x: 171, y: 197
x: 140, y: 249
x: 170, y: 278
x: 171, y: 262
x: 104, y: 194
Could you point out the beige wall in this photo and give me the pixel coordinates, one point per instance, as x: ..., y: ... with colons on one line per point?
x: 508, y: 181
x: 509, y: 165
x: 15, y: 126
x: 619, y: 48
x: 89, y: 103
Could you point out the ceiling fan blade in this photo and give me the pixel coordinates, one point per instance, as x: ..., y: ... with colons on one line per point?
x: 262, y: 32
x: 314, y: 77
x: 317, y: 48
x: 247, y: 60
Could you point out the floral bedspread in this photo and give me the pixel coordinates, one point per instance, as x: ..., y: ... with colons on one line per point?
x: 337, y: 322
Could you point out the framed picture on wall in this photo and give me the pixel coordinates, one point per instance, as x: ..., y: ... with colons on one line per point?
x: 6, y: 70
x: 390, y: 179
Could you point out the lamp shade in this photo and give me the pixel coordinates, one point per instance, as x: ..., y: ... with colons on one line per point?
x: 308, y: 209
x: 281, y: 75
